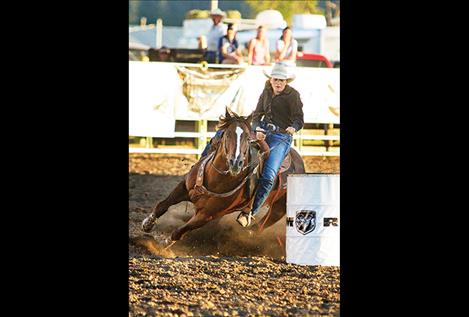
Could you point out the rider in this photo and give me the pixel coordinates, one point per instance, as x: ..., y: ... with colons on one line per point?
x: 278, y: 115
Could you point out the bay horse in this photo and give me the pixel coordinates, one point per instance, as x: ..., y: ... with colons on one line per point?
x: 216, y: 183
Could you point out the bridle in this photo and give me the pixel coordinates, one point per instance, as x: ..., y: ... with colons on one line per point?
x: 224, y: 152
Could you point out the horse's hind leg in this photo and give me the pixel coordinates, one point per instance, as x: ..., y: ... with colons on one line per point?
x: 277, y: 211
x: 197, y: 221
x: 177, y: 195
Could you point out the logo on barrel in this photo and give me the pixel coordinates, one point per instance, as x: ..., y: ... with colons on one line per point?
x: 305, y: 221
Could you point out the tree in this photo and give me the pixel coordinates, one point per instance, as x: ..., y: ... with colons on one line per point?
x: 332, y: 12
x: 205, y: 14
x: 287, y: 8
x: 134, y: 11
x: 233, y: 14
x: 198, y: 14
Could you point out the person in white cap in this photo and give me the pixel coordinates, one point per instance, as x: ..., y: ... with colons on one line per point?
x: 217, y: 31
x: 278, y: 115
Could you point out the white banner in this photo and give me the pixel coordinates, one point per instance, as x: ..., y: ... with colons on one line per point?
x: 160, y: 93
x: 151, y: 99
x: 206, y: 93
x: 320, y: 91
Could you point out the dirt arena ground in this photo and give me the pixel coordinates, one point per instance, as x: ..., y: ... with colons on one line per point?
x: 220, y: 269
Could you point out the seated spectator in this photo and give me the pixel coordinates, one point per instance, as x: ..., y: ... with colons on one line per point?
x: 164, y: 54
x: 286, y: 49
x: 202, y: 42
x: 258, y: 49
x: 229, y: 50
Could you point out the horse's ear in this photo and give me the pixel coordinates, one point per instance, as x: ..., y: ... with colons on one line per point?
x: 249, y: 119
x: 228, y: 113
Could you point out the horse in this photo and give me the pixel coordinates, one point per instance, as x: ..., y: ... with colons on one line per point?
x: 216, y: 184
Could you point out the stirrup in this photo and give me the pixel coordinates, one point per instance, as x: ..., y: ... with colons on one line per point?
x: 245, y: 219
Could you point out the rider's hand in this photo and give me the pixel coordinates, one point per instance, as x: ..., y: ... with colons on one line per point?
x: 260, y: 133
x: 260, y: 136
x: 290, y: 130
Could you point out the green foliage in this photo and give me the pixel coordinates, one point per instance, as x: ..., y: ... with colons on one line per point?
x: 287, y: 8
x: 204, y: 14
x: 233, y: 14
x: 133, y: 12
x: 198, y: 14
x: 173, y: 12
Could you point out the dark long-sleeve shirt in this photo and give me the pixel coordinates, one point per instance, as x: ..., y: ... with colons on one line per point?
x: 284, y: 110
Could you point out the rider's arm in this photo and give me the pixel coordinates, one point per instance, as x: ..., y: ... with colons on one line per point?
x: 296, y: 110
x: 258, y: 112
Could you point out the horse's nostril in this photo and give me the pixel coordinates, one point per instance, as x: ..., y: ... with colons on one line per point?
x: 240, y: 163
x: 231, y: 162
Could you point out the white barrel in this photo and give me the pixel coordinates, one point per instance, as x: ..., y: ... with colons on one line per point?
x: 313, y: 235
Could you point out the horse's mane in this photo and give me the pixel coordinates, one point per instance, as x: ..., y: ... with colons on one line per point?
x: 225, y: 121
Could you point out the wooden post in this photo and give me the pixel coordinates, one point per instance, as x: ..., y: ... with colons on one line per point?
x: 300, y: 141
x: 326, y: 132
x: 159, y: 33
x: 202, y: 139
x: 149, y: 143
x: 213, y: 5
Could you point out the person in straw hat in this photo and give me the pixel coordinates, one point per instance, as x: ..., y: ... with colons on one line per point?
x: 217, y: 31
x: 278, y: 115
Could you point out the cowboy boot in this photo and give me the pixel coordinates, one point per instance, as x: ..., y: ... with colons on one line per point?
x: 245, y: 219
x: 262, y: 192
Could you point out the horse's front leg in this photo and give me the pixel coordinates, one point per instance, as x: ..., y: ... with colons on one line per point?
x: 177, y: 195
x: 198, y: 220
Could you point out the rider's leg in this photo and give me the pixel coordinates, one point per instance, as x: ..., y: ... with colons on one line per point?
x: 280, y: 145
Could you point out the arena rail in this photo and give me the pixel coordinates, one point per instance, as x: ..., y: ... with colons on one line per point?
x: 203, y: 137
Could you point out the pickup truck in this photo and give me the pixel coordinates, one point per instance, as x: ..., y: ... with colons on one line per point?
x: 312, y: 60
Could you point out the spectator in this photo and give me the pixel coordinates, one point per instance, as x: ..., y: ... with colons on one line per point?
x: 258, y: 50
x: 287, y: 48
x: 217, y: 31
x: 164, y: 54
x: 202, y: 42
x: 229, y: 50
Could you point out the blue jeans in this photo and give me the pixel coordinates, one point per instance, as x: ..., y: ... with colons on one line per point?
x: 217, y: 135
x: 211, y: 57
x: 279, y: 144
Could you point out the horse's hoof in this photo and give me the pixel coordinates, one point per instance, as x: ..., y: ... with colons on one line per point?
x: 148, y: 224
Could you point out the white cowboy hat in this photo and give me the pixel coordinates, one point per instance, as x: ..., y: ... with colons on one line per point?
x: 281, y: 71
x: 217, y: 11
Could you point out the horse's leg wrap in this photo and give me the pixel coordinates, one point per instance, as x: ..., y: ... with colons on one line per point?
x: 149, y: 222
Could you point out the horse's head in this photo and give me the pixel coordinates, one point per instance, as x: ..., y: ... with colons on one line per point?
x: 235, y: 140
